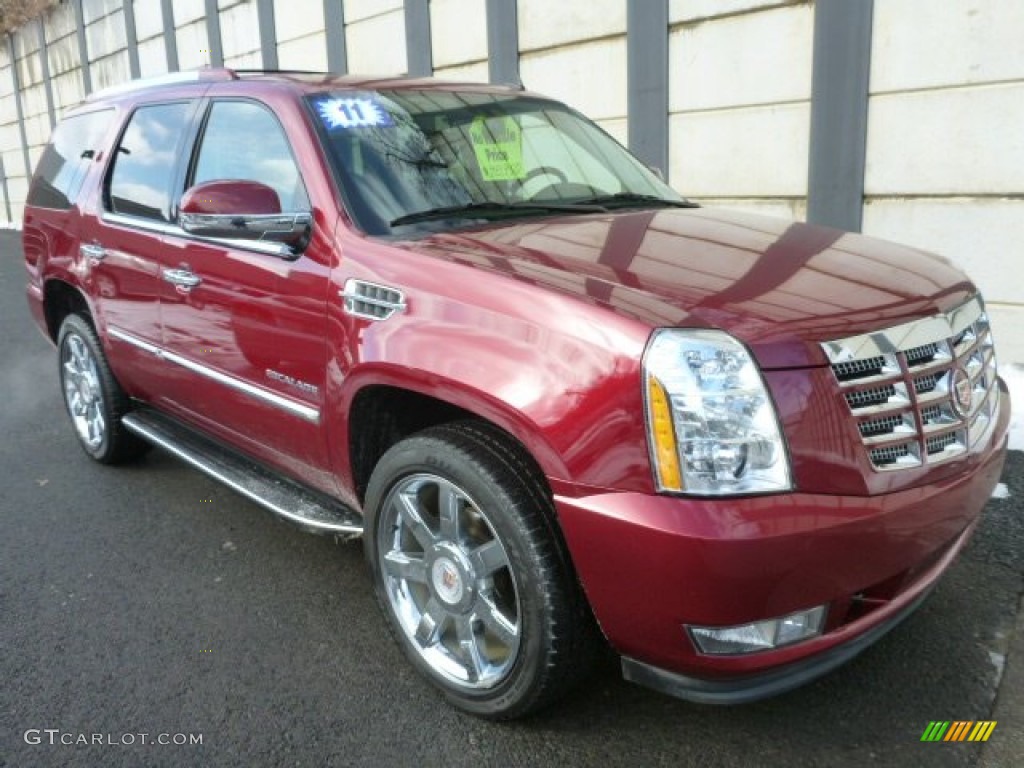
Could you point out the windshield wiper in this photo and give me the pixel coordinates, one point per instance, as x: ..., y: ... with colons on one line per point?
x: 488, y: 208
x: 635, y: 198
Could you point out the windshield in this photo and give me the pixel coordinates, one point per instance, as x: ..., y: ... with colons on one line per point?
x: 443, y: 159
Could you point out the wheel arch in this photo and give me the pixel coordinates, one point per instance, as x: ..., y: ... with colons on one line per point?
x: 60, y: 299
x: 383, y: 410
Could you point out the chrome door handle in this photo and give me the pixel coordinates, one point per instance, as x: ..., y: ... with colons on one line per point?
x: 182, y: 278
x: 93, y: 251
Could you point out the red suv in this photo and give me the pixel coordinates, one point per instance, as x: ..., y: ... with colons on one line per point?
x: 558, y: 400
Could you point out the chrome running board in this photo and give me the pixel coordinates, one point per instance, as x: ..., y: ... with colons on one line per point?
x: 282, y: 496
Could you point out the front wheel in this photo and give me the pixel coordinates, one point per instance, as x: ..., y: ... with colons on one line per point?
x: 471, y: 573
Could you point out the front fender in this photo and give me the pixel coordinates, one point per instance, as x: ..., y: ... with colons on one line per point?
x: 575, y: 404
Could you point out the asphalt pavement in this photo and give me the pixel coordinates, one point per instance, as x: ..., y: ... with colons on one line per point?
x: 150, y: 600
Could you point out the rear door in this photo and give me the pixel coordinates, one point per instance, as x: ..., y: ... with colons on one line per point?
x: 246, y: 327
x: 125, y: 238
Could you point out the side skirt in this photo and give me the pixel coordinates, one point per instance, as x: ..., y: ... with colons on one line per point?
x: 284, y: 497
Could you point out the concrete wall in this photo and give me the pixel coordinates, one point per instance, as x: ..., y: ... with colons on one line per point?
x: 458, y: 39
x: 301, y: 39
x: 739, y: 103
x: 945, y: 162
x: 11, y: 157
x: 944, y: 151
x: 569, y: 51
x: 375, y: 36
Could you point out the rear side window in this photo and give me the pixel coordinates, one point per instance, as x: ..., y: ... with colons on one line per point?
x: 243, y: 140
x: 140, y: 183
x: 65, y: 162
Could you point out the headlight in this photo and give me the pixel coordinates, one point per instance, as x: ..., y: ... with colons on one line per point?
x: 710, y: 422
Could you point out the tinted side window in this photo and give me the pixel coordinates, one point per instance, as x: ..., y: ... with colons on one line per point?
x: 244, y: 141
x: 140, y: 184
x: 65, y: 162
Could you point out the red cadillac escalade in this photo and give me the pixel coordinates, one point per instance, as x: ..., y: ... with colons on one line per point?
x: 562, y: 404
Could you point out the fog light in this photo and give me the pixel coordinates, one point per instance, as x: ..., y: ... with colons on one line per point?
x: 761, y: 635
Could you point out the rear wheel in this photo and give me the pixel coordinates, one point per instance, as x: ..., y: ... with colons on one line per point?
x: 471, y: 573
x: 93, y: 398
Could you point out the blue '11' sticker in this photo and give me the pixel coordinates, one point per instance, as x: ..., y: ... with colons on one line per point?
x: 353, y: 113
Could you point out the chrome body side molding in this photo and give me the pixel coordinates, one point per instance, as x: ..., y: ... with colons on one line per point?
x: 286, y: 404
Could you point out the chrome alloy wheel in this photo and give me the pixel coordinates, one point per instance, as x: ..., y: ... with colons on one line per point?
x: 448, y: 580
x: 83, y: 392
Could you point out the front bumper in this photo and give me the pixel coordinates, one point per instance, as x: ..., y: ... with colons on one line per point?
x: 652, y: 564
x: 774, y: 681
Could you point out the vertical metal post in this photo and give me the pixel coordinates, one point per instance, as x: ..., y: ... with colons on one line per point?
x: 44, y: 60
x: 83, y: 48
x: 131, y: 37
x: 647, y: 77
x: 268, y: 33
x: 334, y: 21
x: 170, y: 35
x: 213, y: 34
x: 839, y: 113
x: 418, y: 52
x: 503, y: 41
x: 7, y: 194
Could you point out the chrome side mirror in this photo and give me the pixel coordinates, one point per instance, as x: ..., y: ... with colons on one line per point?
x: 237, y: 209
x: 288, y: 228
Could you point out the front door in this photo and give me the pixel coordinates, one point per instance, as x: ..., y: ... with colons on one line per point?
x: 243, y: 327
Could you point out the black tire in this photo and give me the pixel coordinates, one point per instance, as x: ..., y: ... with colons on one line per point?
x: 113, y: 444
x: 557, y: 636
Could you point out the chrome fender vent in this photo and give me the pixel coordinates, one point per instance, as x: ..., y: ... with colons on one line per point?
x: 371, y: 301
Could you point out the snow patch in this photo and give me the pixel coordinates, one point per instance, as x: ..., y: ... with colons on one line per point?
x: 999, y: 662
x: 1013, y: 375
x: 1001, y: 492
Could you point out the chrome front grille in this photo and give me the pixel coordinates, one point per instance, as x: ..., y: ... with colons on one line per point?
x: 886, y: 425
x: 875, y: 396
x: 923, y: 354
x: 922, y: 392
x: 895, y: 456
x: 856, y: 369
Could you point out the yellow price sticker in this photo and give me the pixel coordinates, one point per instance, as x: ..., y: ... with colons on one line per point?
x: 498, y: 144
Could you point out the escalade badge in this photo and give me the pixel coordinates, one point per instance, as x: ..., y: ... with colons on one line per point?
x: 963, y: 391
x: 291, y: 381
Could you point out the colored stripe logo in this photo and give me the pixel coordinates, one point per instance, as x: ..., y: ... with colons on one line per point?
x: 958, y: 730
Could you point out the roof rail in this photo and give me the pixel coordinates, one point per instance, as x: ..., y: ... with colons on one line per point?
x: 204, y: 74
x: 280, y: 72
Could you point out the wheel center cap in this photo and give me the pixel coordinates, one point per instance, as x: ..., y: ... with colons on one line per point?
x: 447, y: 580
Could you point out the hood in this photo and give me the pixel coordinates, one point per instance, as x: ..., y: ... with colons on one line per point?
x: 780, y: 287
